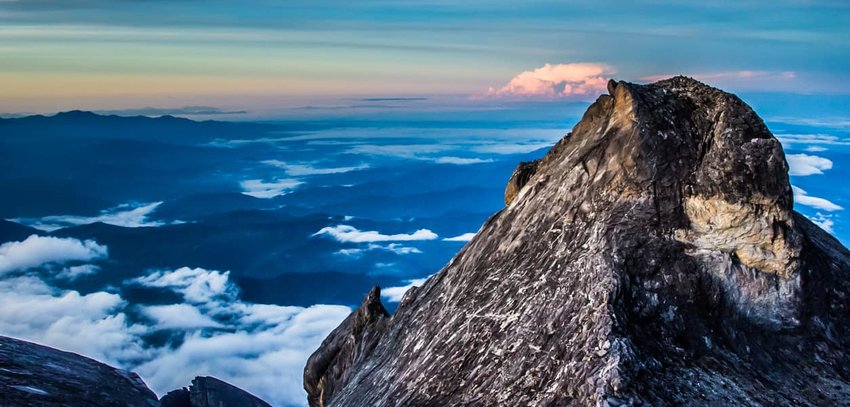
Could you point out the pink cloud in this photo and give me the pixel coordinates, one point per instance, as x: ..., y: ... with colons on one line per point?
x: 733, y: 76
x: 557, y: 81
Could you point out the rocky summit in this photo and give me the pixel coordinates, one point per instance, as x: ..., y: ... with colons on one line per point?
x: 652, y: 257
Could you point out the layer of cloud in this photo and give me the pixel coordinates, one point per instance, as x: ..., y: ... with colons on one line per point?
x: 814, y: 139
x: 557, y: 81
x: 805, y: 164
x: 396, y: 248
x: 299, y: 170
x: 350, y: 234
x: 179, y: 316
x: 265, y: 190
x: 197, y: 285
x: 125, y: 215
x: 803, y: 198
x: 36, y: 250
x: 172, y: 111
x: 395, y: 294
x: 266, y: 357
x: 259, y: 347
x: 409, y: 151
x: 511, y: 148
x: 91, y: 324
x: 462, y: 160
x: 74, y: 272
x: 824, y: 221
x: 462, y: 238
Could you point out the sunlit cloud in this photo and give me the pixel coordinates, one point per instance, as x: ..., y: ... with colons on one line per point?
x: 816, y: 139
x: 553, y: 81
x: 461, y: 160
x: 803, y: 198
x: 511, y: 148
x: 299, y: 170
x: 396, y: 248
x: 261, y: 348
x: 395, y: 294
x: 805, y: 164
x: 91, y: 324
x: 36, y: 250
x: 461, y: 238
x: 178, y: 316
x: 197, y: 285
x: 74, y: 272
x: 266, y: 190
x: 350, y: 234
x: 823, y: 220
x: 130, y: 215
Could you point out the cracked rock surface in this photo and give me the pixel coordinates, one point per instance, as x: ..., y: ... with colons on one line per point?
x: 652, y: 257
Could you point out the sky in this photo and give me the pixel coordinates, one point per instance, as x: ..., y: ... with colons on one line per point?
x: 451, y: 94
x: 280, y: 58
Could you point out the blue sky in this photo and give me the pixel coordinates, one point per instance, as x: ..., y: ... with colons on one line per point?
x: 268, y: 57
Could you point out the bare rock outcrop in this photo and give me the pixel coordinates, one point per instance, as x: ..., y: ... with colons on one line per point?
x: 208, y: 391
x: 36, y: 375
x: 652, y: 257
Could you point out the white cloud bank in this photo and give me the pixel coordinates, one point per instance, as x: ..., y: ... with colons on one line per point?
x: 125, y: 215
x: 299, y: 170
x: 824, y: 221
x: 36, y: 250
x: 395, y: 294
x: 805, y: 164
x: 91, y: 324
x: 462, y: 238
x: 803, y: 198
x: 462, y: 160
x: 814, y: 139
x: 396, y: 248
x: 197, y: 285
x: 350, y: 234
x: 553, y: 81
x: 259, y: 347
x: 266, y: 190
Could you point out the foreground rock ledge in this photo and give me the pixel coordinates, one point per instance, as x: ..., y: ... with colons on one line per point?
x: 652, y: 257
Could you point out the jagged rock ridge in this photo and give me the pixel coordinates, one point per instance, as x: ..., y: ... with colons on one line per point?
x: 652, y: 257
x: 36, y: 375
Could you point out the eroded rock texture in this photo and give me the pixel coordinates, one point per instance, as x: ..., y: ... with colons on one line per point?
x: 208, y: 391
x: 35, y: 375
x: 329, y: 368
x: 652, y: 257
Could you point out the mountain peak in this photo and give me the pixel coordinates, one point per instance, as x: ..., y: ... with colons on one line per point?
x: 653, y: 247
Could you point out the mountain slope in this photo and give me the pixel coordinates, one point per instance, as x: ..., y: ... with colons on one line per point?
x: 651, y: 257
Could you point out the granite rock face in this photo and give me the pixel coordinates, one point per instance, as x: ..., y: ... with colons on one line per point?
x: 35, y: 375
x: 652, y: 257
x: 208, y: 391
x: 328, y: 369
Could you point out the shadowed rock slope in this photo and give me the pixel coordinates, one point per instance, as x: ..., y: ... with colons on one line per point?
x: 652, y: 257
x: 36, y: 375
